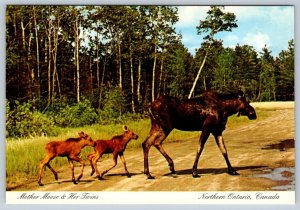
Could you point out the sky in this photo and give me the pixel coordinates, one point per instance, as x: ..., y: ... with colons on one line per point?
x: 258, y: 26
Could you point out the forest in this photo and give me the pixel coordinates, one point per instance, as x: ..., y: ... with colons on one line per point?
x: 71, y: 66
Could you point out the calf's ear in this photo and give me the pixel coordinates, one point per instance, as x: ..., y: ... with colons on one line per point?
x: 81, y: 134
x: 125, y: 128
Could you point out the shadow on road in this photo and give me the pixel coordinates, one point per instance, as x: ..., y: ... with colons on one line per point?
x: 214, y: 170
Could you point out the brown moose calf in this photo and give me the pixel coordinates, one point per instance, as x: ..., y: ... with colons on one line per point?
x: 116, y: 146
x: 69, y: 148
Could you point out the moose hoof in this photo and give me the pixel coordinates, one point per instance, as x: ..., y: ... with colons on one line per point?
x: 74, y: 181
x: 196, y: 176
x: 233, y: 173
x: 100, y: 178
x: 172, y: 168
x: 150, y: 177
x: 128, y: 175
x: 41, y: 184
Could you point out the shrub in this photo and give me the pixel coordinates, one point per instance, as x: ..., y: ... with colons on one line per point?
x: 77, y: 115
x: 114, y: 106
x: 23, y: 121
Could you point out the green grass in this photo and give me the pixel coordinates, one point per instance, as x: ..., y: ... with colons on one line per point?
x: 24, y: 155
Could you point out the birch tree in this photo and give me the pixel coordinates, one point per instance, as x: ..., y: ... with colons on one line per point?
x: 215, y: 22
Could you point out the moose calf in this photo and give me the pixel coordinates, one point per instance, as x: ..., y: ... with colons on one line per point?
x: 116, y: 146
x: 69, y: 148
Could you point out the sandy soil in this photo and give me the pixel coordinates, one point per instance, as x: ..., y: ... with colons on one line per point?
x: 262, y: 152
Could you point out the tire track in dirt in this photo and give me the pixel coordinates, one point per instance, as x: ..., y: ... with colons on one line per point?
x: 245, y: 148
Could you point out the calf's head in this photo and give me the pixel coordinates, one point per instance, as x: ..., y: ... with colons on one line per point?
x: 129, y: 134
x: 87, y: 139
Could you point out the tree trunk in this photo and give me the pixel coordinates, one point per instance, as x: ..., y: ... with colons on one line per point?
x: 49, y: 64
x: 160, y: 76
x: 200, y: 69
x: 131, y: 79
x: 197, y: 77
x: 97, y: 62
x: 120, y: 64
x: 37, y: 81
x: 153, y: 74
x: 138, y: 91
x: 29, y: 70
x: 23, y: 34
x: 91, y: 73
x: 102, y: 81
x: 76, y: 29
x: 37, y: 44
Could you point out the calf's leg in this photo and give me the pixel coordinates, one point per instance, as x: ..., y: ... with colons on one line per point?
x: 124, y: 163
x: 95, y: 158
x: 53, y: 171
x: 44, y: 162
x: 80, y: 161
x: 72, y: 170
x: 115, y: 158
x: 90, y: 157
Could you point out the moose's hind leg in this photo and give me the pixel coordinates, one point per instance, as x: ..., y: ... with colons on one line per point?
x: 170, y: 161
x: 156, y: 137
x: 72, y: 169
x: 44, y: 162
x: 53, y: 171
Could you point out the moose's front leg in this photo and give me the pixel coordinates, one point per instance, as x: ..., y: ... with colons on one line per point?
x: 203, y: 138
x: 220, y: 142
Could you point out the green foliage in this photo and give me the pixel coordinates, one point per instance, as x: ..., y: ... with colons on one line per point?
x: 223, y: 74
x: 216, y: 21
x: 23, y: 121
x: 76, y: 115
x: 113, y: 106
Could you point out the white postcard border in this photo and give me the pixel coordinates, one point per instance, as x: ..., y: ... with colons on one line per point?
x: 206, y: 197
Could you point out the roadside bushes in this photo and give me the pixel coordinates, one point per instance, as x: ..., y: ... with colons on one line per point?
x: 76, y: 115
x: 23, y: 121
x: 32, y: 119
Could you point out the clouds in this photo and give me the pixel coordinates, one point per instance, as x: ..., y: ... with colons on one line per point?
x: 191, y: 15
x: 257, y: 26
x: 258, y: 40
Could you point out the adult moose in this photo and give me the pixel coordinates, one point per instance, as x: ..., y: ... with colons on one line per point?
x: 207, y: 113
x: 69, y: 148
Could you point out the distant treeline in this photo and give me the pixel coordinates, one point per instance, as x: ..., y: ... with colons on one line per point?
x: 64, y: 54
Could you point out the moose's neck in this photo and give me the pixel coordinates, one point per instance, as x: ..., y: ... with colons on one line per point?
x: 82, y: 144
x: 230, y: 106
x: 125, y: 139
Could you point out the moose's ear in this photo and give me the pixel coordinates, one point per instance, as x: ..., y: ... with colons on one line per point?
x: 125, y: 128
x: 81, y: 134
x: 241, y: 94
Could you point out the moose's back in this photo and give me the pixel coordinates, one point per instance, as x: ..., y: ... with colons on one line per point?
x: 188, y: 115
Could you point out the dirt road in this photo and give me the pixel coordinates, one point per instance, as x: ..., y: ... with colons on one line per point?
x: 262, y: 152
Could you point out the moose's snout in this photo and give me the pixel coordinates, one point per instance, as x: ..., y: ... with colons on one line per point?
x: 252, y: 116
